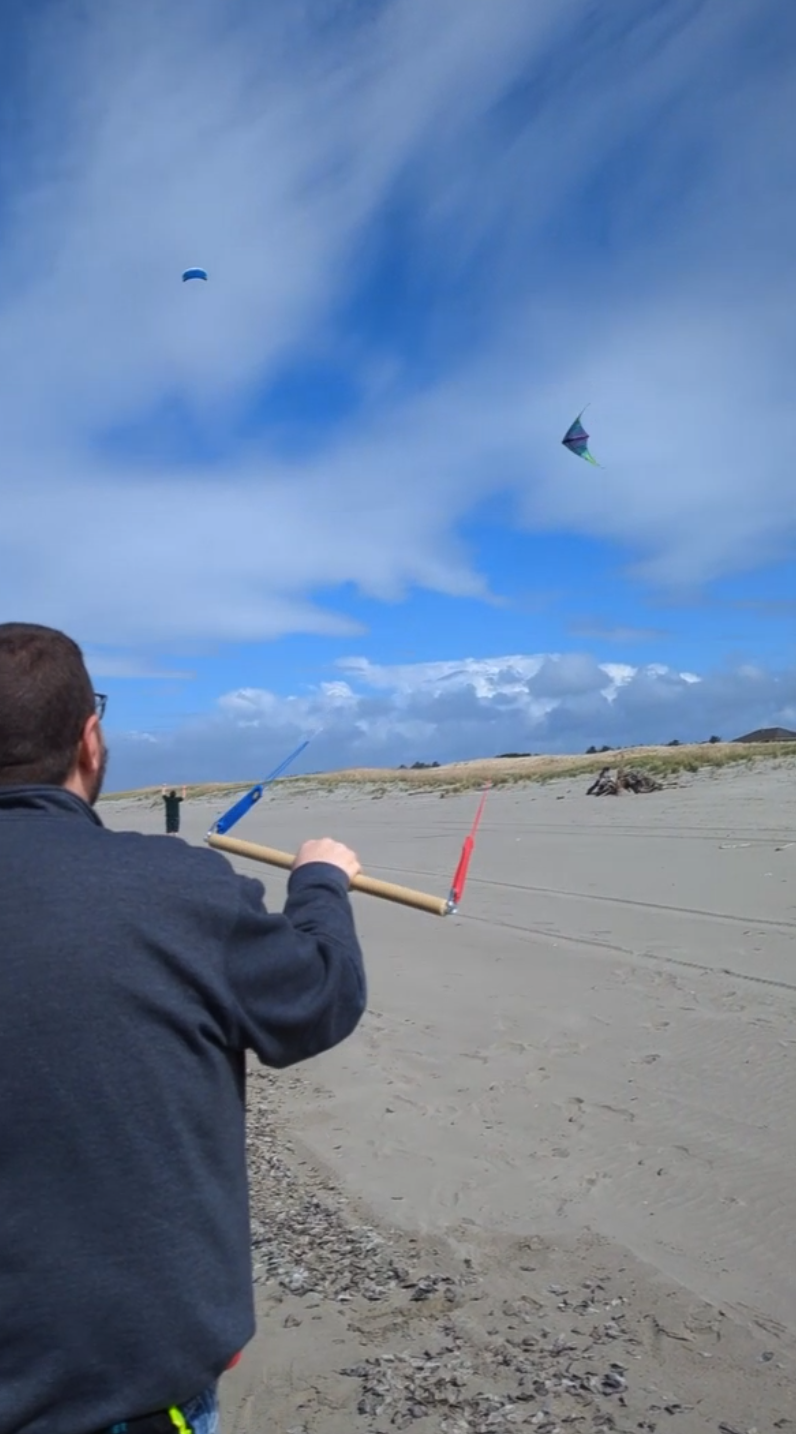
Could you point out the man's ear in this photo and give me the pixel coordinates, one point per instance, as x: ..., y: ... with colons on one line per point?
x: 89, y: 756
x: 86, y: 775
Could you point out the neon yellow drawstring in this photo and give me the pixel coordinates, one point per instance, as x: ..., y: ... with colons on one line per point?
x: 179, y: 1421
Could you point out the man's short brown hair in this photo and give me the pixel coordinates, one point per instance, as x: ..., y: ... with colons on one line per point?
x: 46, y: 697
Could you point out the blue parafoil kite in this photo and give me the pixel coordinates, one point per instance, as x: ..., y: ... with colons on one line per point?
x: 194, y: 274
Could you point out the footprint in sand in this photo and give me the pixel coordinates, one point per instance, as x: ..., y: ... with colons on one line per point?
x: 617, y: 1110
x: 577, y: 1107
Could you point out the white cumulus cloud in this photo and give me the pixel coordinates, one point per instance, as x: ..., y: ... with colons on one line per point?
x: 447, y: 711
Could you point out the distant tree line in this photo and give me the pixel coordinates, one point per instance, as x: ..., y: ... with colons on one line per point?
x: 675, y: 742
x: 763, y: 734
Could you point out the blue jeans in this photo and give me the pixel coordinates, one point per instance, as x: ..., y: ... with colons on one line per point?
x: 200, y: 1414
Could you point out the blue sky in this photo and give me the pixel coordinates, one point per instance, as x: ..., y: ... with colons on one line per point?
x: 327, y: 488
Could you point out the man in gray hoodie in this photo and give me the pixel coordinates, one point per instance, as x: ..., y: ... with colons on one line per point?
x: 135, y: 975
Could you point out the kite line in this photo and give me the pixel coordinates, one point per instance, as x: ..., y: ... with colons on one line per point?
x: 460, y: 874
x: 387, y: 890
x: 248, y: 800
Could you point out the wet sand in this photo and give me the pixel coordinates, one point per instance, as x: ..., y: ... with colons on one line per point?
x: 595, y: 1060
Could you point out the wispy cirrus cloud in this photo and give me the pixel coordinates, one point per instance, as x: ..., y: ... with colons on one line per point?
x: 569, y: 203
x: 623, y: 635
x: 115, y: 665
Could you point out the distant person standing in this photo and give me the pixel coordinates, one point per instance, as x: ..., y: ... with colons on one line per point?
x: 172, y: 804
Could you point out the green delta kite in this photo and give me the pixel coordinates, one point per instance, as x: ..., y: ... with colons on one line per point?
x: 576, y: 439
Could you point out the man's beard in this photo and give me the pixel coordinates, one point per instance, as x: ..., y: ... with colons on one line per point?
x: 97, y: 784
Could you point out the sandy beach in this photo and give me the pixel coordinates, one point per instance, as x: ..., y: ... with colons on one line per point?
x: 570, y: 1106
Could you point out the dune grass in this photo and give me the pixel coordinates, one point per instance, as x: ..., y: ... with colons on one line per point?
x: 660, y: 762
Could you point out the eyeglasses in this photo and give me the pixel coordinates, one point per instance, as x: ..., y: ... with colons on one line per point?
x: 101, y: 702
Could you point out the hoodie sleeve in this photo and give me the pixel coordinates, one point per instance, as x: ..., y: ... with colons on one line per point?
x: 298, y: 977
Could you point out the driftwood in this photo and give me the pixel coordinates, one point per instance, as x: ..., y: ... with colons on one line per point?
x: 625, y: 781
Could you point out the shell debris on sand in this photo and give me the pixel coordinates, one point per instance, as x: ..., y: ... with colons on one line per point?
x: 452, y: 1344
